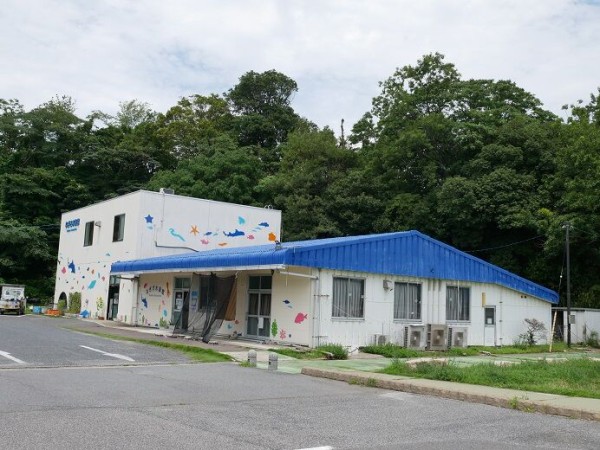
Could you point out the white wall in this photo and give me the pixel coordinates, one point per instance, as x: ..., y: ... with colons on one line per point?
x: 87, y: 269
x: 290, y: 308
x: 586, y: 321
x: 155, y: 224
x: 171, y: 224
x: 511, y: 310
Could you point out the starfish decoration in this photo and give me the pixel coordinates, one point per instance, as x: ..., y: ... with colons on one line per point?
x: 149, y: 218
x: 194, y: 230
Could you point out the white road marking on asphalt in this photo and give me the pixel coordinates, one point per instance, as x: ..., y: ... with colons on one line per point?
x: 326, y: 447
x: 12, y: 358
x: 113, y: 355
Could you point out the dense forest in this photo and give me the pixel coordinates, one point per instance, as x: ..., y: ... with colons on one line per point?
x: 478, y: 164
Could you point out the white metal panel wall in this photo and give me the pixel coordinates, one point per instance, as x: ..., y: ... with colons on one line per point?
x: 511, y: 310
x: 87, y: 269
x: 155, y: 224
x: 171, y: 224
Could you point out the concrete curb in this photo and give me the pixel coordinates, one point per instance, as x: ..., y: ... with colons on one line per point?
x: 560, y: 405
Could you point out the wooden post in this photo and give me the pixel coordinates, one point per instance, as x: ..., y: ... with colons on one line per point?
x: 552, y: 331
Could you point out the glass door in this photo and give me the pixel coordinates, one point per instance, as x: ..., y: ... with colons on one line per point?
x: 489, y: 329
x: 259, y: 307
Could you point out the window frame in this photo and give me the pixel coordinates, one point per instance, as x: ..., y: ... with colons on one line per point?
x: 335, y: 304
x: 119, y: 228
x: 457, y: 313
x: 88, y: 236
x: 411, y: 302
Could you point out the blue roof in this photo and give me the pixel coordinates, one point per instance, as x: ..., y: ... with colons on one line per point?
x: 407, y: 253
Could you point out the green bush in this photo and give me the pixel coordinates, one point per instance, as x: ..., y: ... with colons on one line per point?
x: 592, y: 340
x: 62, y: 305
x: 75, y: 302
x: 337, y: 351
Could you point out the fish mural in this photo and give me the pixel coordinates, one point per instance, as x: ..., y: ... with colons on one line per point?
x: 175, y: 234
x: 222, y: 244
x: 235, y: 233
x: 287, y: 303
x: 272, y: 237
x: 300, y: 318
x: 64, y: 270
x: 208, y: 233
x: 250, y: 236
x: 92, y: 284
x: 263, y: 224
x: 71, y: 266
x: 241, y: 220
x: 145, y: 302
x: 205, y: 241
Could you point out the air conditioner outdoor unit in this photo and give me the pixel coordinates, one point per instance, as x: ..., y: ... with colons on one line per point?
x: 458, y: 337
x: 401, y: 337
x: 416, y: 336
x: 437, y: 337
x: 380, y: 339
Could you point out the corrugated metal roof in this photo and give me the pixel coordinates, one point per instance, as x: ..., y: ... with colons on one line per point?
x: 407, y: 253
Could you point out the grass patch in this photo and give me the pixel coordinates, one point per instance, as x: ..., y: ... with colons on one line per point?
x: 575, y: 378
x: 331, y: 351
x: 194, y: 353
x: 395, y: 351
x: 299, y: 354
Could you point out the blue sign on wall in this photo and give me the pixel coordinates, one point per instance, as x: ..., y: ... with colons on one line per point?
x: 72, y: 225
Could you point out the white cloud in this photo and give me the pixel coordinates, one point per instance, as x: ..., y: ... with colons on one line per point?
x: 104, y: 52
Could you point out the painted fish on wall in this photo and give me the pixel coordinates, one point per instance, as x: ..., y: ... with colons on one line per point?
x: 300, y: 318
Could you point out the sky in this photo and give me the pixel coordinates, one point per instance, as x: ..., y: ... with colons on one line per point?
x: 103, y: 52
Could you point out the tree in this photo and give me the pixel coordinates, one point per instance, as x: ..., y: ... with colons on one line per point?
x: 312, y: 162
x: 193, y: 124
x: 263, y: 116
x: 220, y: 171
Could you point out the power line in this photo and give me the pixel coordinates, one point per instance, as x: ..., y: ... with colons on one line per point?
x: 504, y: 246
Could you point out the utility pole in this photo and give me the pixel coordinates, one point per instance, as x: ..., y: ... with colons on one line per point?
x: 567, y: 227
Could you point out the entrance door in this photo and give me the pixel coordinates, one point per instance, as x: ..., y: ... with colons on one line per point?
x: 113, y: 298
x: 181, y: 303
x: 259, y: 306
x: 489, y: 328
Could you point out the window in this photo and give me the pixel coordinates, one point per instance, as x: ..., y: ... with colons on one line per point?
x: 348, y: 297
x: 407, y: 301
x: 490, y: 316
x: 88, y: 239
x: 119, y: 228
x: 458, y: 300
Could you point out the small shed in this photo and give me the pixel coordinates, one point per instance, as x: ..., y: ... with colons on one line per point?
x: 584, y: 322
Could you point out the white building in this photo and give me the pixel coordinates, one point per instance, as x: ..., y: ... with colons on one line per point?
x: 405, y: 288
x: 146, y: 224
x: 584, y: 322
